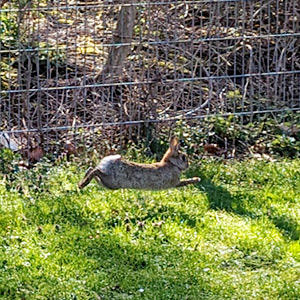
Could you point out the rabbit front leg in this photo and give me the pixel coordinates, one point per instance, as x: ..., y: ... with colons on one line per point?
x: 188, y: 181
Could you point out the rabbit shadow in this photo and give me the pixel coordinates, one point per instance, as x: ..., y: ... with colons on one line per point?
x: 240, y: 203
x: 219, y: 198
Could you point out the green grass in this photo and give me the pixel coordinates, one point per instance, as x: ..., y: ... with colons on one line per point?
x: 234, y: 236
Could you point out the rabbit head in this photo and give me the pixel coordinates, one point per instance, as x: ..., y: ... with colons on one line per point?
x: 174, y: 156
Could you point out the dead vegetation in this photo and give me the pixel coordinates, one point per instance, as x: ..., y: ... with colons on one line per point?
x: 75, y: 65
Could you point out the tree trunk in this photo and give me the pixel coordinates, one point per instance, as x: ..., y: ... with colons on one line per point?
x: 123, y: 36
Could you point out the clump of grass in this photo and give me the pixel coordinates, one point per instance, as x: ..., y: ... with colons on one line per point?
x: 235, y: 235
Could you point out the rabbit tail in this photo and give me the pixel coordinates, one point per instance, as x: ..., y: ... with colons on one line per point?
x: 89, y: 175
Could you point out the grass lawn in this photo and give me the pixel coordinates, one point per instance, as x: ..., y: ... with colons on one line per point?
x: 233, y: 236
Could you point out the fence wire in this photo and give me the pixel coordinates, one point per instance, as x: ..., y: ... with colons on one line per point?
x: 109, y: 69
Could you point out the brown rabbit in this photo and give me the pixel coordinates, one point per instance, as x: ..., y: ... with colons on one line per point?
x: 114, y: 172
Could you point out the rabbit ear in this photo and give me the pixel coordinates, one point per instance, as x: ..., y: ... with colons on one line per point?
x: 174, y: 144
x: 172, y: 151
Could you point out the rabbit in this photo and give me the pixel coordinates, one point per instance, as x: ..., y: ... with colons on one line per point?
x: 114, y: 172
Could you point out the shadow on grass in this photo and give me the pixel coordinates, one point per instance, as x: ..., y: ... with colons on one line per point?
x: 220, y: 198
x: 245, y: 203
x: 129, y: 267
x: 287, y: 224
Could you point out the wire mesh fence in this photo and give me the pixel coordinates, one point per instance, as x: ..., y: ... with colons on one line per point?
x: 101, y: 73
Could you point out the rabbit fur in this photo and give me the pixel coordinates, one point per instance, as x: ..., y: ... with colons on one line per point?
x: 114, y: 172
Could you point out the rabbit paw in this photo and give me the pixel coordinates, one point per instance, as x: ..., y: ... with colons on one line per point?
x: 196, y: 179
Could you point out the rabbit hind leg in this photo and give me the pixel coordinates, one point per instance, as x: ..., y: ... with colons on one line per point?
x: 89, y: 175
x: 98, y: 179
x: 96, y: 176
